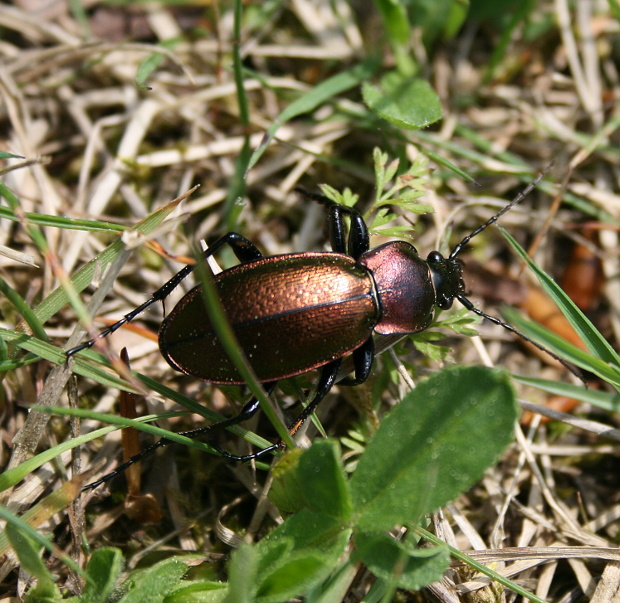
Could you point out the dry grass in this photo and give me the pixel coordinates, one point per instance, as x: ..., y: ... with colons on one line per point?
x: 99, y: 147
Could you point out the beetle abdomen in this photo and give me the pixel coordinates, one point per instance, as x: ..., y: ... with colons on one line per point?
x: 290, y: 314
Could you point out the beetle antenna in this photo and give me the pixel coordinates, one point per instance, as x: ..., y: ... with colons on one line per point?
x: 530, y: 187
x: 470, y: 306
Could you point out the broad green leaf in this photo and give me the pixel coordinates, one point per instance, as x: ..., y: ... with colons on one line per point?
x: 400, y: 563
x: 104, y: 570
x: 286, y: 490
x: 155, y: 582
x: 199, y: 591
x: 243, y: 575
x: 324, y: 485
x: 406, y: 103
x: 298, y: 555
x: 434, y: 445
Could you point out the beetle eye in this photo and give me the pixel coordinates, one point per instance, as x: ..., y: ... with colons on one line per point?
x: 434, y: 257
x: 445, y: 303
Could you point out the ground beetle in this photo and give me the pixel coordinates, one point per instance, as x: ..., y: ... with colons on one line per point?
x: 302, y: 311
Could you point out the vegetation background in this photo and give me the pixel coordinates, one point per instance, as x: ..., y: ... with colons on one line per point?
x: 111, y: 110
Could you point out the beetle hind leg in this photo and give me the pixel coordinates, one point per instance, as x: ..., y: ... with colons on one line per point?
x: 327, y: 380
x: 244, y: 250
x: 247, y: 412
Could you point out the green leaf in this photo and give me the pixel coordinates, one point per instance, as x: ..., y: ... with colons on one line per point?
x: 406, y: 103
x: 156, y: 582
x: 434, y: 445
x: 199, y: 591
x: 104, y: 570
x: 395, y: 19
x: 399, y: 563
x: 438, y: 19
x: 324, y: 485
x: 286, y: 490
x: 312, y: 479
x: 243, y: 575
x: 298, y: 555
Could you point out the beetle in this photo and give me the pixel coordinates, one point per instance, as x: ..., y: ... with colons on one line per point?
x: 298, y: 312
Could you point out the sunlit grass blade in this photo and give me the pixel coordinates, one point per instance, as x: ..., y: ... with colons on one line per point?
x: 64, y: 222
x: 323, y: 92
x: 83, y: 277
x: 591, y: 337
x: 564, y: 349
x: 13, y: 476
x: 604, y: 400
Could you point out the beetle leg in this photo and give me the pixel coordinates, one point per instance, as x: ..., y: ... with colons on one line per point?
x: 358, y: 242
x: 244, y: 250
x: 362, y: 361
x: 327, y: 379
x: 247, y: 412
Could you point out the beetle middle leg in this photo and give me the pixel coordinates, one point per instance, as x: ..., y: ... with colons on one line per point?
x: 362, y: 361
x: 327, y: 379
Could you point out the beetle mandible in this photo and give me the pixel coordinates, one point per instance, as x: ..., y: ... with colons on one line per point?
x: 302, y: 311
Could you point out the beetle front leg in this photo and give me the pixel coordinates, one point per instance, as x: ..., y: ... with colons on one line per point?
x: 244, y: 250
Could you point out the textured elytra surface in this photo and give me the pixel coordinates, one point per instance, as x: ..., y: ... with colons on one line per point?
x: 290, y: 314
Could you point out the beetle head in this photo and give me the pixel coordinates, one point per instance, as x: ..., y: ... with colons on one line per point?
x: 447, y: 274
